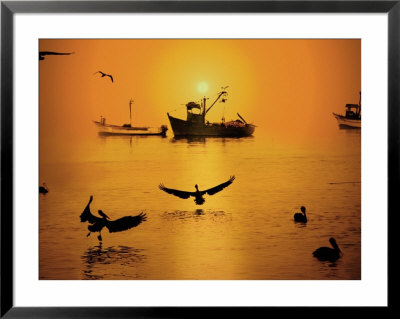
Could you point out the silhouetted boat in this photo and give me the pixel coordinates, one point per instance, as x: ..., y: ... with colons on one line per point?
x: 196, y: 124
x: 128, y: 129
x: 352, y: 118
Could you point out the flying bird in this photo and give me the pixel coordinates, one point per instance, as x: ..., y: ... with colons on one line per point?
x: 43, y: 189
x: 327, y: 253
x: 301, y: 217
x: 198, y: 195
x: 104, y: 74
x: 98, y: 223
x: 42, y: 54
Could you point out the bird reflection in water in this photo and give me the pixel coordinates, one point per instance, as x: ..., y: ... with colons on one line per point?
x: 112, y: 262
x: 196, y: 215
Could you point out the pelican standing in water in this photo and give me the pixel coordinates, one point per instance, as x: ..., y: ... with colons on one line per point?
x: 198, y: 195
x: 327, y: 253
x: 97, y: 223
x: 301, y: 217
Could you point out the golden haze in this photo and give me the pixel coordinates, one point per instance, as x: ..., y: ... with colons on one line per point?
x: 288, y: 88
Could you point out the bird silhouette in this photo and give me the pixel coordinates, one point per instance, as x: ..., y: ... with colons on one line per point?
x: 301, y: 217
x: 104, y: 74
x: 327, y: 253
x: 198, y: 195
x: 42, y: 54
x: 43, y: 189
x: 98, y: 223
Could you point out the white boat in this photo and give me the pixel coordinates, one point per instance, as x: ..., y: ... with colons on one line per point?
x: 128, y: 129
x: 352, y: 118
x: 343, y: 121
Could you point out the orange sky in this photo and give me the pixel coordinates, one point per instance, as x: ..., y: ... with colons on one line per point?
x: 288, y: 88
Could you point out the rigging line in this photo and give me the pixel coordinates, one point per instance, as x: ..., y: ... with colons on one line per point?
x: 178, y: 108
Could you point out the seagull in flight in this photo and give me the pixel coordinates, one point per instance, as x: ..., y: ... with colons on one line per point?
x: 42, y: 54
x: 198, y: 195
x: 98, y: 223
x: 104, y: 74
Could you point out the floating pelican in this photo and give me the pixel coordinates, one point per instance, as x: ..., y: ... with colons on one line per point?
x: 326, y: 253
x: 198, y: 195
x: 43, y: 189
x: 301, y: 217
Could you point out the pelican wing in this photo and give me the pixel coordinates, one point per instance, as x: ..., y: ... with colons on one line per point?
x: 125, y: 223
x: 97, y: 226
x: 181, y: 194
x: 54, y: 53
x: 220, y: 187
x: 112, y: 80
x: 87, y: 216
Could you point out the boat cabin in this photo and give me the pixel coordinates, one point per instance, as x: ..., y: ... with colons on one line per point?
x: 353, y: 111
x: 194, y: 113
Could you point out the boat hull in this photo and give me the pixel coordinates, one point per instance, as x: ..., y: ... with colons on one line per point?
x: 182, y: 128
x: 108, y: 129
x: 345, y: 122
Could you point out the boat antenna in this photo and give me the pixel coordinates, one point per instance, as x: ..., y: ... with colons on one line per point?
x: 130, y: 111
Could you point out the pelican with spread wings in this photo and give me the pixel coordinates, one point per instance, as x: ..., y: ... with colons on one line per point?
x: 42, y: 54
x: 198, y: 194
x: 98, y: 223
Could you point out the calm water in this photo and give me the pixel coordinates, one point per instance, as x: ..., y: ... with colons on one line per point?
x: 244, y: 232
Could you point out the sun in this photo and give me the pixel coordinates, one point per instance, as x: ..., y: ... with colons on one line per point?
x: 202, y: 87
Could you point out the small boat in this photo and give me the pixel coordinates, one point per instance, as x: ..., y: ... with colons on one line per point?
x: 196, y: 124
x: 352, y: 118
x: 128, y: 129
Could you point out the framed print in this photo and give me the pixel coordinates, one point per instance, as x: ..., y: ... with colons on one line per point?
x: 196, y: 157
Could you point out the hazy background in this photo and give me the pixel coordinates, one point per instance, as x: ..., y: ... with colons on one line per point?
x: 288, y: 88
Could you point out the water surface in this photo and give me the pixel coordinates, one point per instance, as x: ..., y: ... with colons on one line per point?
x: 244, y: 232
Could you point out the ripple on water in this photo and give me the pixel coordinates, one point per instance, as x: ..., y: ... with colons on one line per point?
x: 105, y: 263
x: 196, y: 214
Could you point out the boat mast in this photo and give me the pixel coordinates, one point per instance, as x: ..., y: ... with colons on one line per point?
x: 219, y: 95
x: 130, y: 112
x: 204, y: 107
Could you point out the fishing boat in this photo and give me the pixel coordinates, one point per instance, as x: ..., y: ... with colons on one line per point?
x: 196, y: 124
x: 128, y: 129
x: 352, y: 118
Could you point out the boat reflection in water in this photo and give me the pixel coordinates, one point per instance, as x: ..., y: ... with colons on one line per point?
x: 106, y: 263
x: 203, y: 139
x: 196, y: 124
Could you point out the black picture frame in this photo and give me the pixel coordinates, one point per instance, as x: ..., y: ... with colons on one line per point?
x: 9, y: 8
